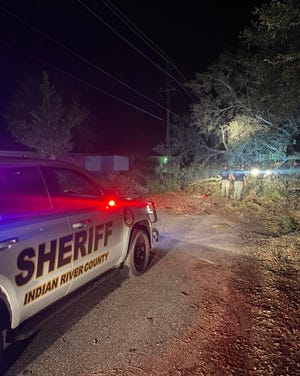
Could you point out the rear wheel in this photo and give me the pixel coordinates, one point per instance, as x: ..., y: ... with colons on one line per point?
x: 138, y: 253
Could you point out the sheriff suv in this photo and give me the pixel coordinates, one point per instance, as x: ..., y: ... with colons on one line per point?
x: 59, y: 230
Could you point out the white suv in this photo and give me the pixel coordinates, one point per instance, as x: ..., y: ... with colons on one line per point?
x: 58, y: 231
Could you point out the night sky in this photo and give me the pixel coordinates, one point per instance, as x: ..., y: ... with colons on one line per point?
x: 82, y: 49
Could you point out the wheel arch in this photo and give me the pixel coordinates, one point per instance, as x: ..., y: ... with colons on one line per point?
x: 5, y: 312
x: 142, y: 225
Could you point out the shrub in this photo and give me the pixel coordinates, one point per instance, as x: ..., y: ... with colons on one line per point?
x: 164, y: 180
x: 172, y: 177
x: 288, y: 224
x: 129, y: 183
x: 274, y: 186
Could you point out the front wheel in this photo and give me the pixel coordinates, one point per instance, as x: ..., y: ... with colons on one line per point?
x: 1, y: 347
x: 138, y: 253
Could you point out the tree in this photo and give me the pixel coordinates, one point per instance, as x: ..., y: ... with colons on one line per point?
x: 275, y: 42
x: 222, y: 94
x: 248, y: 100
x: 41, y: 121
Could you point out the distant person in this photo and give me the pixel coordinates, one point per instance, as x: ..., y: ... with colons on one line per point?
x: 224, y: 176
x: 240, y: 181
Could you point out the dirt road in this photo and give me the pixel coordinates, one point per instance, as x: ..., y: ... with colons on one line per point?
x: 188, y: 315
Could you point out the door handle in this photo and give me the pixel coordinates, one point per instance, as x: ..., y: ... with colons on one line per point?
x: 8, y: 243
x: 81, y: 224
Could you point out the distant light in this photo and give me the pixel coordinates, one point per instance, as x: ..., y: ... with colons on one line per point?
x: 255, y: 172
x: 164, y: 160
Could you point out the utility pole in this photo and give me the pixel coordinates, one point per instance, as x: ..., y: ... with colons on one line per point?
x: 168, y: 91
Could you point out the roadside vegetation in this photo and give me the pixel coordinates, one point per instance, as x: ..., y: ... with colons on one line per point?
x: 273, y: 298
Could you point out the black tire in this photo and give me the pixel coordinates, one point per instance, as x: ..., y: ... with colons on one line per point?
x: 1, y: 347
x: 137, y: 259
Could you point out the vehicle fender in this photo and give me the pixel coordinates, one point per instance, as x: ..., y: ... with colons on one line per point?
x: 142, y: 224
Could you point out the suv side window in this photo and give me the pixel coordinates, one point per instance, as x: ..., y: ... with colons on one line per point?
x: 69, y: 188
x: 22, y: 192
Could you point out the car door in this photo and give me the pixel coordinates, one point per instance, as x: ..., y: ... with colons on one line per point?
x: 96, y: 227
x: 31, y: 234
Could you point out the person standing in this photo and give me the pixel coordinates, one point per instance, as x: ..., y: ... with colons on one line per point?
x: 224, y: 177
x: 240, y: 181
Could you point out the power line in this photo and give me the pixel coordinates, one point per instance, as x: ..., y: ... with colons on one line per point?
x: 135, y: 48
x: 79, y: 56
x: 93, y: 86
x: 141, y: 34
x: 104, y: 92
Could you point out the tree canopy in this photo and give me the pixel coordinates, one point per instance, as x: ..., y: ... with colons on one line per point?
x: 247, y: 106
x: 38, y: 118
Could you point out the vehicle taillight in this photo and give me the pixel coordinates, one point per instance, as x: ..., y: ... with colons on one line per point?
x: 111, y: 203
